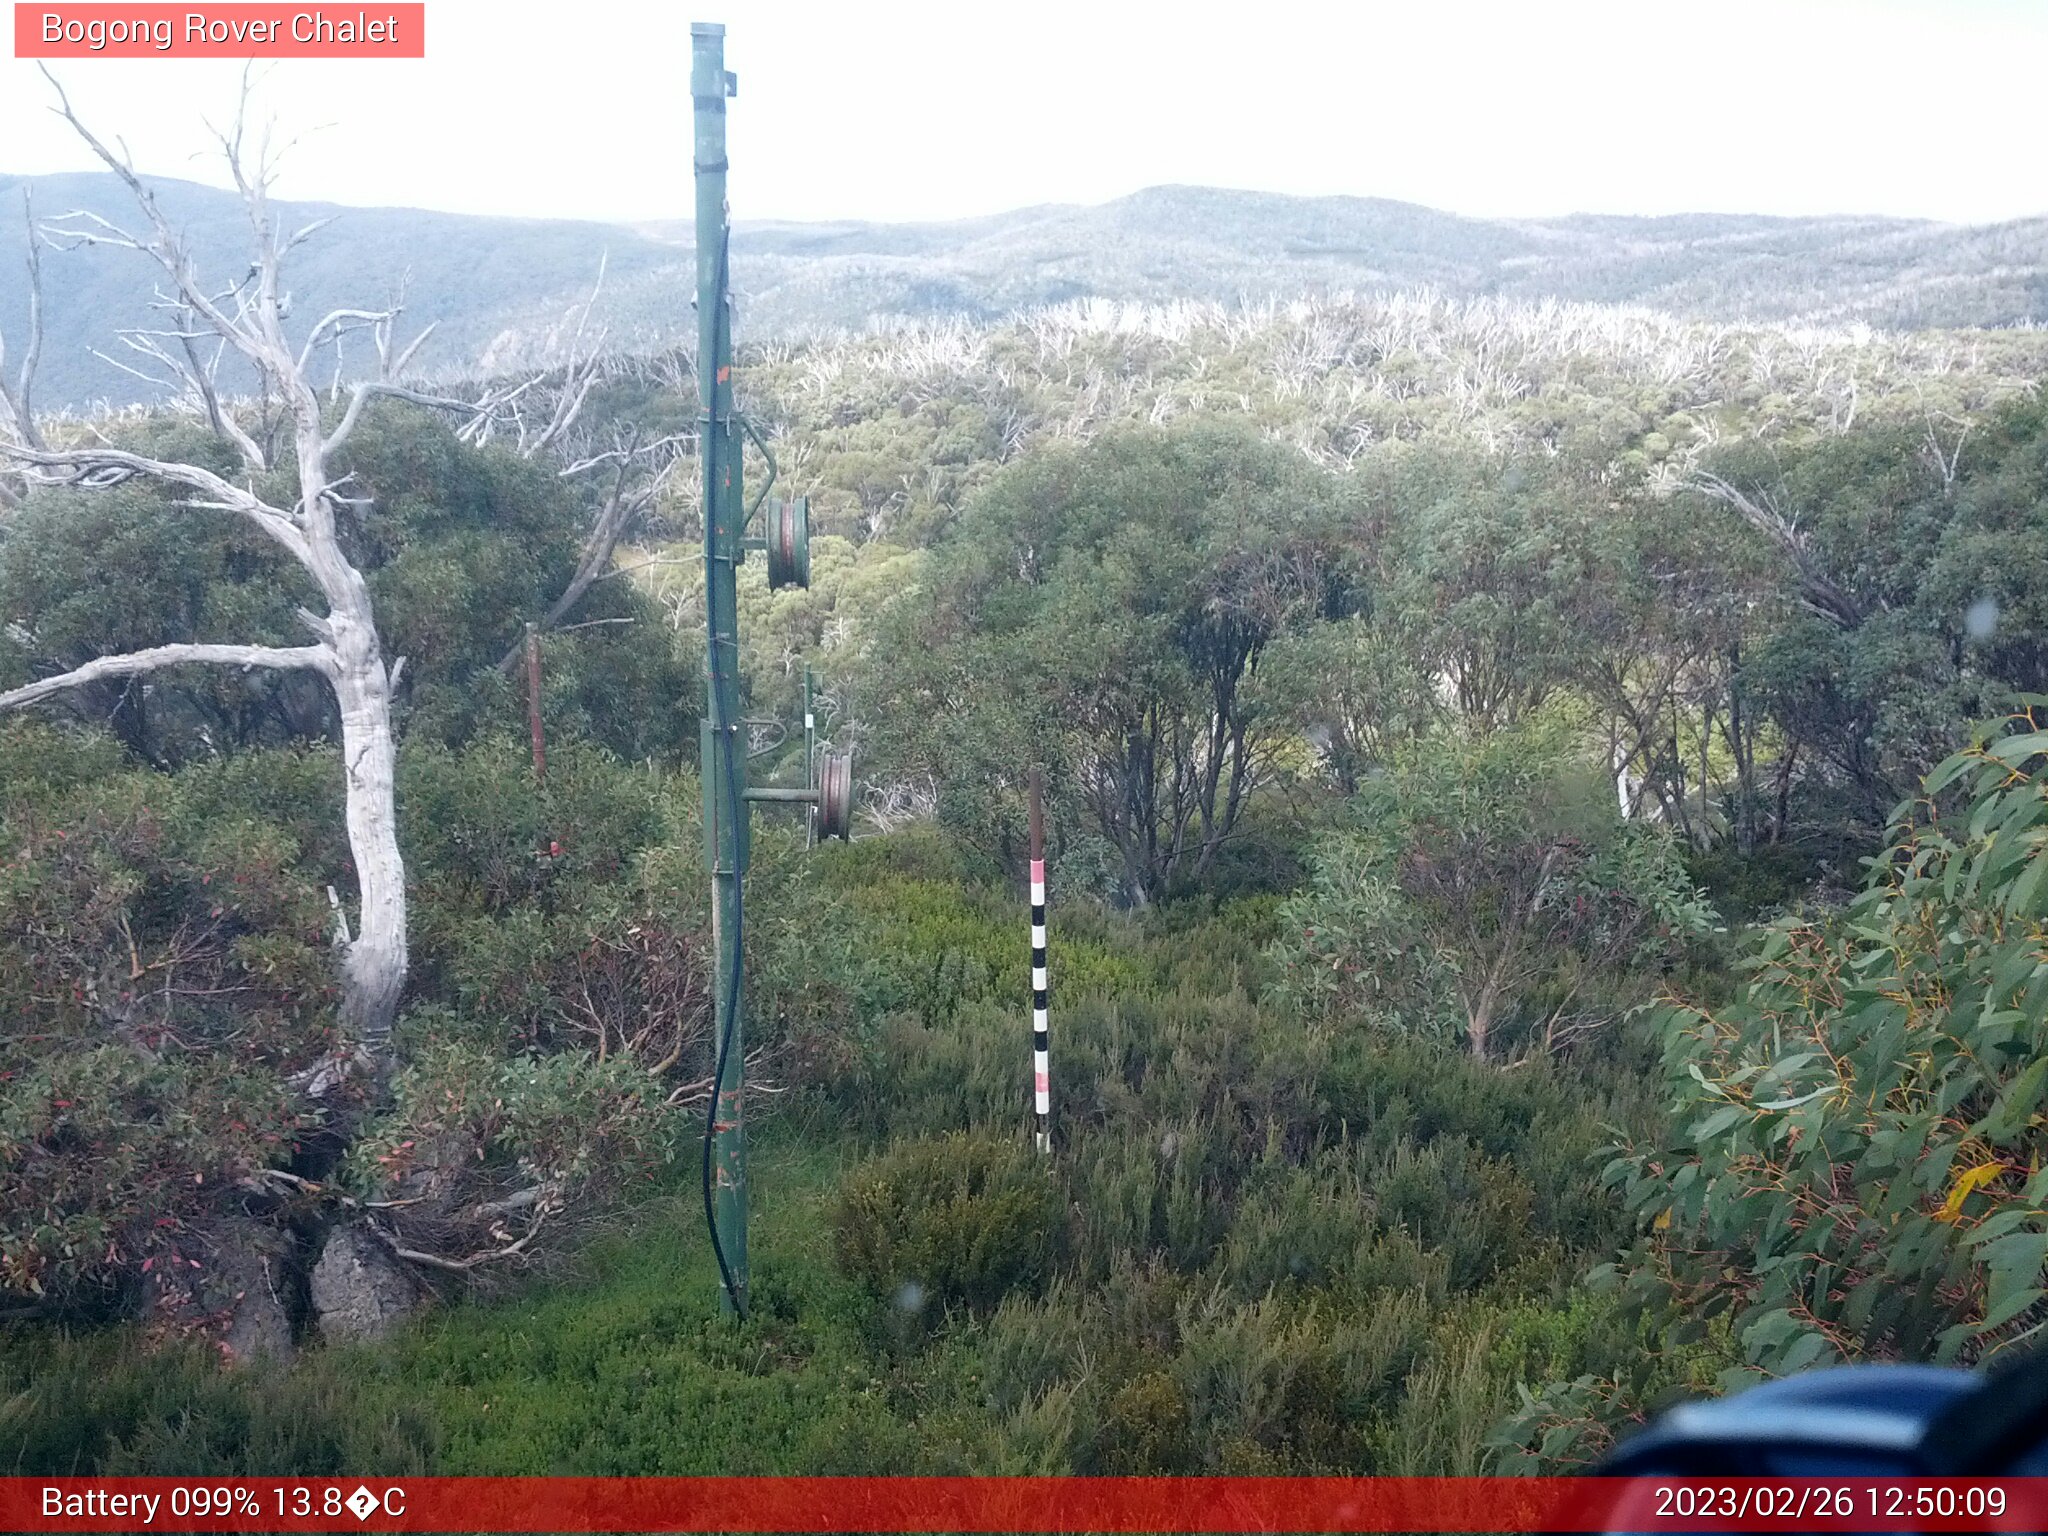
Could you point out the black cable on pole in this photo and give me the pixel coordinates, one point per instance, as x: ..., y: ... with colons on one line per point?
x: 732, y: 997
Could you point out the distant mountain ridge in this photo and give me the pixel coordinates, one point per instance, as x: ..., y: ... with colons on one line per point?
x: 496, y: 287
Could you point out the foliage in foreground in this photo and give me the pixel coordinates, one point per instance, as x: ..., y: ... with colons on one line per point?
x: 1853, y: 1167
x: 628, y: 1369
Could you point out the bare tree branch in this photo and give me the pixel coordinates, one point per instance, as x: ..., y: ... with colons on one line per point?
x: 335, y: 320
x: 581, y: 373
x: 169, y: 252
x: 626, y: 502
x: 97, y: 469
x: 1818, y: 590
x: 316, y: 658
x: 371, y: 389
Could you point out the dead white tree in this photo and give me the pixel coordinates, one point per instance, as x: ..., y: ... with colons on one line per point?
x: 537, y: 411
x: 17, y: 398
x: 245, y: 319
x: 634, y: 473
x: 1945, y: 459
x: 900, y: 803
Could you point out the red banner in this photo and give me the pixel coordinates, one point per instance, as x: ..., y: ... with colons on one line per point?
x: 1024, y: 1504
x: 236, y: 31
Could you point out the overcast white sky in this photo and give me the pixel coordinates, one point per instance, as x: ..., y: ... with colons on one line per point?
x: 888, y: 109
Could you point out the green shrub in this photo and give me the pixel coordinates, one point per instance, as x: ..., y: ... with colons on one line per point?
x: 95, y: 1404
x: 1451, y: 1402
x: 1850, y: 1165
x: 1145, y: 1430
x: 163, y: 972
x: 485, y: 837
x: 1482, y: 884
x: 964, y: 1220
x: 40, y: 761
x: 1453, y: 1199
x: 1150, y: 1189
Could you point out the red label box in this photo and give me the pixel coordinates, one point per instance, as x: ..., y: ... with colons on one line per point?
x: 1273, y: 1505
x: 378, y: 30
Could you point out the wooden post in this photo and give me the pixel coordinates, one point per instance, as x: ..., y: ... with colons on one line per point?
x: 540, y: 751
x: 1041, y: 1046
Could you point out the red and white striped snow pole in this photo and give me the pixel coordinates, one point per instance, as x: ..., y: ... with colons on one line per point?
x: 1041, y: 1045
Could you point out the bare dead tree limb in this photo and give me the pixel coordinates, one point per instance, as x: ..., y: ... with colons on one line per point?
x: 315, y: 658
x: 1819, y: 592
x: 1945, y: 461
x: 373, y: 389
x: 17, y: 399
x: 581, y: 373
x: 98, y: 469
x: 639, y: 472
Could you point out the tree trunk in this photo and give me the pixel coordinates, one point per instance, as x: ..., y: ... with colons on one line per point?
x: 1479, y: 1011
x: 1620, y: 761
x: 1782, y: 820
x: 1740, y: 748
x: 1477, y: 1024
x: 374, y: 968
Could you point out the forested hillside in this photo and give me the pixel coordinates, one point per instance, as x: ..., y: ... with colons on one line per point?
x: 498, y: 289
x: 1548, y: 827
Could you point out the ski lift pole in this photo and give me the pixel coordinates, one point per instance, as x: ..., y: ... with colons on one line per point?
x: 1041, y: 1044
x: 828, y: 787
x: 722, y: 753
